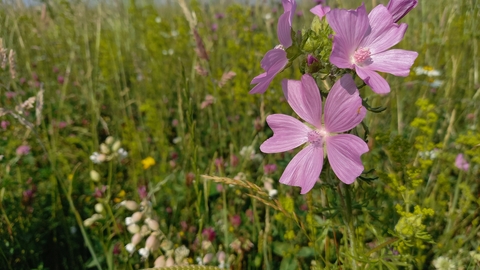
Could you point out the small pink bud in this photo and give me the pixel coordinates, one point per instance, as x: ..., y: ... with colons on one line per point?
x: 152, y: 242
x: 160, y: 262
x: 130, y: 205
x: 170, y: 262
x: 136, y: 238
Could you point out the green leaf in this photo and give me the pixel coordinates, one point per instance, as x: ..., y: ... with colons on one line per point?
x: 305, y: 252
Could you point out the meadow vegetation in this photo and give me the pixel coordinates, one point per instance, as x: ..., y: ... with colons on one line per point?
x: 130, y: 118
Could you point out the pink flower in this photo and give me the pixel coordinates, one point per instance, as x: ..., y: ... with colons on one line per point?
x: 23, y: 150
x: 320, y: 10
x: 4, y: 124
x: 343, y: 111
x: 276, y: 59
x: 361, y: 42
x: 269, y: 168
x: 400, y: 8
x: 461, y: 163
x: 209, y: 234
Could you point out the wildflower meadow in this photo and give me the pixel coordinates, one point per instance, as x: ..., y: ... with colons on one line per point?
x: 216, y: 134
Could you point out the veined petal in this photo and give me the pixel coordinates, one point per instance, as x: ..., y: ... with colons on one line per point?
x: 342, y: 52
x: 284, y: 29
x: 320, y: 10
x: 343, y: 108
x: 384, y: 32
x: 397, y: 62
x: 289, y: 5
x: 399, y: 8
x: 273, y: 62
x: 288, y: 133
x: 344, y: 151
x: 272, y: 57
x: 304, y: 169
x: 351, y: 25
x: 304, y: 98
x: 263, y: 81
x: 378, y: 84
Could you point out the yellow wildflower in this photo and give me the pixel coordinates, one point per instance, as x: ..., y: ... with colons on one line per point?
x: 148, y: 162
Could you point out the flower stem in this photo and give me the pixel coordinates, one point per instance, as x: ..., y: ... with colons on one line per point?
x: 348, y: 220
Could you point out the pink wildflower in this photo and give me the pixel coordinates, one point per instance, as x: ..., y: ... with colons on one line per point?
x: 209, y: 234
x: 461, y: 163
x: 4, y: 124
x: 343, y: 111
x: 400, y: 8
x: 361, y: 42
x: 276, y: 59
x: 269, y: 168
x: 23, y: 150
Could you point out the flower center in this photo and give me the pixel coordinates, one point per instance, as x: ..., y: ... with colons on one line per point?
x: 362, y: 56
x: 315, y: 137
x: 279, y: 46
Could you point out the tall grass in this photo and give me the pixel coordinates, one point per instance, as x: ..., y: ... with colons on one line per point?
x: 130, y: 70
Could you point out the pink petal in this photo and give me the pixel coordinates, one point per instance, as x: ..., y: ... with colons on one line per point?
x: 273, y: 62
x: 284, y: 29
x: 343, y: 108
x: 341, y: 53
x: 399, y: 8
x: 378, y: 84
x: 304, y: 98
x: 344, y: 151
x: 272, y: 57
x: 304, y: 169
x: 384, y: 32
x: 397, y: 62
x: 289, y: 6
x: 320, y: 10
x: 350, y: 25
x: 288, y: 133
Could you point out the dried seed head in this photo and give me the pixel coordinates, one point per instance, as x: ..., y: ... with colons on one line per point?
x: 11, y: 63
x: 201, y: 51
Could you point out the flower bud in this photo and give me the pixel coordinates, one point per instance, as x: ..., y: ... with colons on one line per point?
x: 207, y: 258
x: 116, y: 146
x: 144, y: 231
x: 109, y: 140
x: 133, y: 228
x: 130, y: 205
x: 104, y: 149
x: 130, y: 248
x: 152, y: 242
x: 88, y: 222
x: 94, y: 175
x: 137, y: 216
x: 152, y: 224
x: 99, y: 208
x: 144, y: 252
x: 160, y: 262
x: 136, y: 238
x: 101, y: 158
x: 170, y: 262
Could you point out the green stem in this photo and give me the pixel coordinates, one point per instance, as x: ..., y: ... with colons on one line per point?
x: 348, y: 220
x: 454, y: 202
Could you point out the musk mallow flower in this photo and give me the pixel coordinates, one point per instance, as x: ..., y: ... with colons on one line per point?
x: 362, y: 43
x: 461, y: 163
x: 400, y: 8
x: 343, y: 111
x: 276, y: 59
